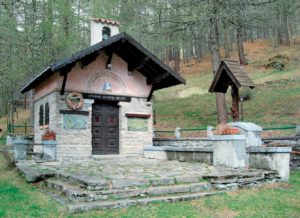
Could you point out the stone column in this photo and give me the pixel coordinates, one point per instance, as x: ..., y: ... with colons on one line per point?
x: 20, y: 152
x: 251, y: 131
x: 229, y: 151
x: 298, y: 130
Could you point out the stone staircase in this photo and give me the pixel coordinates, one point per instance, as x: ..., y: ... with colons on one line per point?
x: 81, y: 195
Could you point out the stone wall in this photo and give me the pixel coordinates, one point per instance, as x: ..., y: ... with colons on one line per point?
x: 133, y: 142
x: 271, y: 158
x: 232, y: 153
x: 51, y: 98
x: 187, y: 154
x: 183, y: 142
x: 293, y: 142
x: 72, y: 143
x: 77, y: 143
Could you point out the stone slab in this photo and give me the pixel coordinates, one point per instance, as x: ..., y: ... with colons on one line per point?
x: 228, y: 138
x: 82, y: 207
x: 249, y: 127
x: 269, y: 149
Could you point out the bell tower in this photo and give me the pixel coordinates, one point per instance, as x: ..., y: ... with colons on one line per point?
x: 102, y: 29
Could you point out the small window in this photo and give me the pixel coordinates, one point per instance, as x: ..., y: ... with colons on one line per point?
x: 47, y: 114
x: 41, y: 115
x: 106, y: 32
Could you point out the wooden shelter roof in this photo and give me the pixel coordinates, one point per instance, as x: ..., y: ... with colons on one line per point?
x: 230, y: 73
x: 138, y: 58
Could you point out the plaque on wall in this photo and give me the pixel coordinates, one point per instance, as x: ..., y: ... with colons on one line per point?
x: 107, y: 97
x: 74, y: 121
x: 137, y: 124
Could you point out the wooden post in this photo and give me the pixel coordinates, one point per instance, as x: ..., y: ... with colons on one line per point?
x: 235, y: 103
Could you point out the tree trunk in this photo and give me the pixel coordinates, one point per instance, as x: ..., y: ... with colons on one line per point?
x: 66, y: 19
x: 226, y: 43
x: 216, y: 60
x: 278, y: 27
x: 286, y: 29
x: 240, y: 46
x: 177, y: 58
x: 251, y: 35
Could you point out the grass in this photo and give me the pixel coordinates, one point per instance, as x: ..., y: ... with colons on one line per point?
x: 20, y: 199
x: 2, y: 141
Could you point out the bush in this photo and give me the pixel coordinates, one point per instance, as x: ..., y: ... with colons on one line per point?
x: 278, y: 62
x: 246, y: 94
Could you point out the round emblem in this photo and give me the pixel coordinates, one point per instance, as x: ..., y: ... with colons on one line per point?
x: 74, y: 100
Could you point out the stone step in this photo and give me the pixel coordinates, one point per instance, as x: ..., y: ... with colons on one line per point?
x: 102, y: 205
x: 102, y: 184
x: 76, y: 193
x: 242, y: 179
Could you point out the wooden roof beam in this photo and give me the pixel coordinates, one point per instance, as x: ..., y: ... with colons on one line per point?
x: 64, y: 72
x: 137, y: 65
x: 88, y: 59
x: 157, y: 79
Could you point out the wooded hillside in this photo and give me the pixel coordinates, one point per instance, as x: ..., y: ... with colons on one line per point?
x: 35, y: 33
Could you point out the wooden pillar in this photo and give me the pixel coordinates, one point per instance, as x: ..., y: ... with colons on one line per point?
x: 235, y: 103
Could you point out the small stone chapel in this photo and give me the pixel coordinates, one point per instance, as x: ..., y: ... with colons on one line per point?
x: 98, y: 101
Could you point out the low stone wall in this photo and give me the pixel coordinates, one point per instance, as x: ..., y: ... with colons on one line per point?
x: 199, y: 154
x: 271, y: 158
x: 268, y: 158
x: 182, y: 142
x: 293, y: 142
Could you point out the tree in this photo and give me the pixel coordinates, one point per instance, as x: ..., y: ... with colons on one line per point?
x: 216, y: 61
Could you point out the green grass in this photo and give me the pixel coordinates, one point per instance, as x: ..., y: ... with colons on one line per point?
x: 20, y: 199
x: 2, y: 140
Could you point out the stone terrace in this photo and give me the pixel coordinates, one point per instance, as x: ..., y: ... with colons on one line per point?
x: 120, y: 182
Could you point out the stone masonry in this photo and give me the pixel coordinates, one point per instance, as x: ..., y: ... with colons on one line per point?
x: 51, y: 98
x: 133, y: 142
x: 72, y: 143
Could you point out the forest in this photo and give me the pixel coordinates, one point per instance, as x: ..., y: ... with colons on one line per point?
x: 36, y: 33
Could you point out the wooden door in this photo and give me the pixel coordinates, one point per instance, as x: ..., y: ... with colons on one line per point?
x: 105, y: 128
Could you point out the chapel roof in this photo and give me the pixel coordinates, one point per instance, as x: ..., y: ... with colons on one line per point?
x: 138, y: 58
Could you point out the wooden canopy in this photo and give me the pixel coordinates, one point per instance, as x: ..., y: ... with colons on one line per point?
x: 230, y: 73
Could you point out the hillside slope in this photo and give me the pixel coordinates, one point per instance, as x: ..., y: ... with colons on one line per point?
x: 274, y: 101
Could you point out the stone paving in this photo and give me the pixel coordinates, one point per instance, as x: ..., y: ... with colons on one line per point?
x: 94, y: 184
x: 138, y: 171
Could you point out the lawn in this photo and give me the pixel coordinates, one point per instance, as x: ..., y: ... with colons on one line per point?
x: 20, y: 199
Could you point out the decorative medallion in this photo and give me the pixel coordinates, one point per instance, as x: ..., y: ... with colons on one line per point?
x: 106, y: 87
x: 74, y: 100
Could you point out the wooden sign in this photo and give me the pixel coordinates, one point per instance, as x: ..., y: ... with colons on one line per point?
x: 107, y: 97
